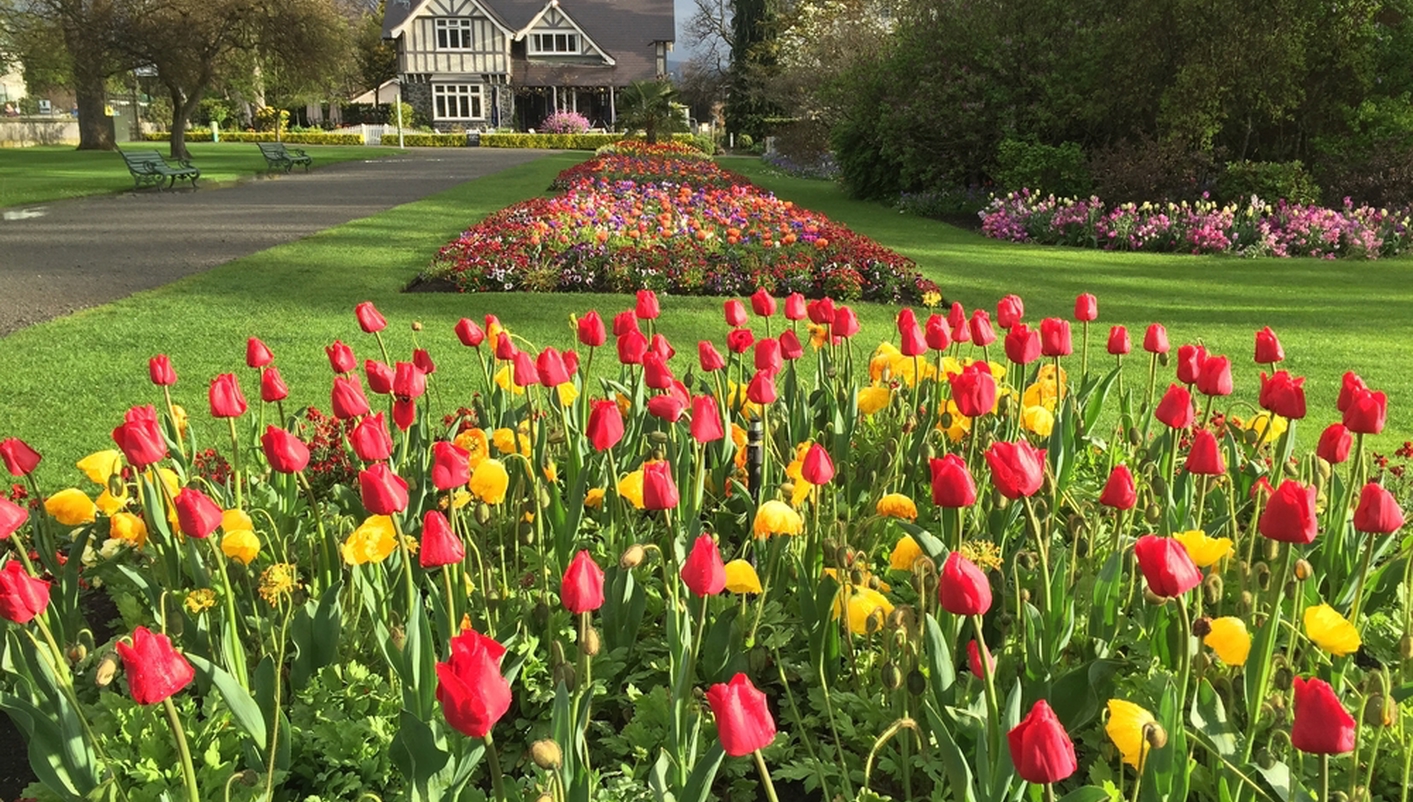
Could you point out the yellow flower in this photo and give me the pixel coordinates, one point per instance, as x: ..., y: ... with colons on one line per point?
x: 1125, y: 729
x: 1205, y: 551
x: 109, y: 504
x: 505, y: 379
x: 777, y: 518
x: 961, y: 424
x: 170, y: 481
x: 280, y: 579
x: 1268, y: 427
x: 1040, y: 394
x: 819, y: 335
x: 881, y: 363
x: 984, y: 553
x: 864, y: 603
x: 1046, y: 375
x: 473, y: 441
x: 236, y: 520
x: 630, y: 487
x: 874, y: 398
x: 795, y: 470
x: 625, y: 404
x: 493, y: 333
x: 71, y: 507
x: 199, y: 600
x: 904, y: 554
x: 951, y: 367
x: 100, y: 466
x: 741, y: 577
x: 567, y: 393
x: 490, y: 480
x: 897, y: 505
x: 1229, y: 639
x: 736, y: 398
x: 907, y: 369
x: 128, y: 527
x: 371, y: 542
x: 459, y: 499
x: 241, y: 545
x: 179, y: 417
x: 931, y: 299
x: 594, y: 498
x: 504, y: 440
x: 1038, y: 420
x: 1330, y: 631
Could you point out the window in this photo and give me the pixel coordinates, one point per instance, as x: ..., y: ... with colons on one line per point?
x: 453, y: 34
x: 457, y: 101
x: 554, y: 44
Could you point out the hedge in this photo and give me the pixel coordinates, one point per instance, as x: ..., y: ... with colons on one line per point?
x: 426, y: 140
x: 204, y: 135
x: 559, y: 141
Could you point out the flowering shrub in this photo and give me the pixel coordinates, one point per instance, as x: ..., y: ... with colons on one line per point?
x: 915, y: 569
x: 1255, y: 228
x: 627, y: 221
x: 565, y: 122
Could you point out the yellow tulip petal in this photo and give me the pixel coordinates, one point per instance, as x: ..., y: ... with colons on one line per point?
x: 630, y: 487
x: 241, y: 545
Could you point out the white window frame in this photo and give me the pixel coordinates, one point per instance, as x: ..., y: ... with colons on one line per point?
x: 454, y: 33
x: 449, y: 101
x: 573, y: 44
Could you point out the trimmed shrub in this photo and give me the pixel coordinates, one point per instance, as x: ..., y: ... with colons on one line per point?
x: 422, y: 140
x: 1044, y: 168
x: 565, y: 122
x: 560, y: 141
x: 1269, y: 181
x: 204, y: 135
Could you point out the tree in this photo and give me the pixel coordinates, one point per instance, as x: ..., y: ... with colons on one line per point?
x: 648, y: 105
x: 753, y: 60
x: 375, y: 57
x: 86, y: 29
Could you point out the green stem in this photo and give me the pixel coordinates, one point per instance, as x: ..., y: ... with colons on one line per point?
x: 184, y: 751
x: 1363, y: 574
x: 235, y: 462
x: 765, y: 777
x: 1324, y: 778
x: 993, y: 721
x: 497, y: 779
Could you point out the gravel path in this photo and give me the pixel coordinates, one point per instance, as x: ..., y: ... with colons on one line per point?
x: 64, y: 256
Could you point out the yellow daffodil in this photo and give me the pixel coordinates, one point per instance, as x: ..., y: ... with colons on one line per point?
x: 897, y: 505
x: 1204, y: 550
x: 1330, y: 631
x: 371, y: 542
x: 905, y: 553
x: 489, y: 481
x: 241, y: 545
x: 594, y: 498
x: 741, y: 577
x: 1038, y: 420
x: 1125, y: 728
x: 100, y: 466
x: 505, y: 380
x: 110, y: 504
x: 236, y: 521
x: 874, y: 398
x: 863, y: 603
x: 129, y: 528
x: 71, y: 507
x: 777, y: 518
x: 1229, y: 639
x: 631, y: 487
x: 474, y: 442
x: 567, y: 393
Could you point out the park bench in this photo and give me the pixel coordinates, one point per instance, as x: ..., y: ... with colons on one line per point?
x: 148, y: 168
x: 277, y: 156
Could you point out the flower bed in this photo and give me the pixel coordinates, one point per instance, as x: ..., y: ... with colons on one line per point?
x: 651, y: 220
x: 948, y: 565
x: 1253, y: 229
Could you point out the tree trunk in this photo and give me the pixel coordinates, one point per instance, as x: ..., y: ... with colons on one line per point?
x: 95, y: 131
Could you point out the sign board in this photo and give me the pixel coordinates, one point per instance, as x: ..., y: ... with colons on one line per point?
x: 45, y: 107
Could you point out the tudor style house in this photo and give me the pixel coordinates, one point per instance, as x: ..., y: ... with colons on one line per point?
x: 479, y: 64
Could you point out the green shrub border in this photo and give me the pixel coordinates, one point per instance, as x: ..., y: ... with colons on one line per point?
x: 561, y: 141
x: 204, y: 135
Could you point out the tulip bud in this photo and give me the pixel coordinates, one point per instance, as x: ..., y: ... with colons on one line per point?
x: 547, y: 754
x: 107, y: 669
x: 917, y: 683
x: 1303, y: 571
x: 632, y: 557
x: 591, y: 643
x: 892, y: 677
x: 1156, y: 736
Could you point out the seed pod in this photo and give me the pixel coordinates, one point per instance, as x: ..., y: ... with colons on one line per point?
x: 1303, y: 571
x: 1263, y: 576
x: 787, y: 489
x: 1202, y: 627
x: 1265, y: 759
x: 1282, y: 678
x: 1156, y: 736
x: 416, y: 325
x: 892, y: 677
x: 107, y: 669
x: 483, y: 513
x: 547, y: 754
x: 856, y: 577
x: 633, y: 557
x: 758, y: 658
x: 589, y: 645
x: 917, y: 683
x: 1247, y: 600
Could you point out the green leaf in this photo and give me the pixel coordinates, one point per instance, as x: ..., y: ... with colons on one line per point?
x: 1209, y: 716
x: 415, y: 751
x: 1283, y: 783
x: 1089, y: 793
x: 244, y: 710
x: 953, y: 761
x: 940, y: 662
x: 46, y: 747
x: 698, y: 787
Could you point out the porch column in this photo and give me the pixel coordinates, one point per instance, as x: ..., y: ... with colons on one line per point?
x: 612, y: 110
x: 554, y: 95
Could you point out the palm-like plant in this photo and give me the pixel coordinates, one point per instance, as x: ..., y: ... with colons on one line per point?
x: 648, y: 105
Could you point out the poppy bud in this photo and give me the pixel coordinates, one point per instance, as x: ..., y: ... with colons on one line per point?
x: 1156, y: 736
x: 107, y: 669
x: 1303, y: 571
x: 632, y: 557
x: 547, y: 754
x: 917, y: 683
x: 891, y: 676
x: 591, y: 643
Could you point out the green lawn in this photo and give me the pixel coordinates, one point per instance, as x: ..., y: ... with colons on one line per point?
x: 69, y: 380
x: 35, y: 175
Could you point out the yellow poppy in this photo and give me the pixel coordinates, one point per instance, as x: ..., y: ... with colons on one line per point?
x: 1038, y: 420
x: 874, y: 398
x: 819, y: 335
x: 741, y: 577
x: 777, y: 518
x: 179, y: 417
x: 1229, y: 639
x: 795, y: 470
x: 961, y: 424
x: 128, y: 527
x: 736, y: 398
x: 567, y: 393
x: 594, y: 498
x: 631, y: 487
x: 1267, y: 427
x: 1330, y: 631
x: 864, y: 603
x: 1040, y: 394
x: 897, y: 505
x: 905, y: 553
x: 1204, y: 550
x: 241, y: 545
x: 109, y: 504
x: 505, y: 379
x: 907, y: 369
x: 371, y: 542
x: 71, y: 507
x: 236, y: 521
x: 625, y: 404
x: 490, y: 480
x: 1125, y: 728
x: 473, y: 441
x: 951, y: 367
x: 880, y: 364
x: 100, y: 466
x: 170, y: 481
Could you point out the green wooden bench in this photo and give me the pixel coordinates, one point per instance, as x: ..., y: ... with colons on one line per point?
x: 277, y: 156
x: 149, y: 169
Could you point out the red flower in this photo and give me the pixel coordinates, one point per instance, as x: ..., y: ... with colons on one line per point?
x: 1283, y: 395
x: 227, y: 401
x: 1009, y: 311
x: 526, y: 374
x: 668, y: 407
x: 974, y: 660
x: 974, y: 390
x: 380, y: 377
x: 451, y: 466
x: 1349, y: 385
x: 1268, y: 348
x: 1166, y: 565
x: 703, y: 572
x: 963, y: 588
x: 1189, y: 362
x: 404, y: 414
x: 957, y: 316
x: 440, y: 546
x: 423, y: 361
x: 656, y: 374
x: 1040, y: 749
x: 469, y: 333
x: 818, y: 468
x: 1022, y: 344
x: 140, y: 437
x: 767, y: 356
x: 470, y: 688
x: 624, y: 322
x: 347, y: 398
x: 981, y: 332
x: 910, y: 339
x: 1175, y: 409
x: 739, y: 340
x: 341, y: 357
x: 1334, y: 444
x: 709, y: 358
x: 605, y: 426
x: 197, y: 515
x: 821, y: 312
x: 1366, y: 412
x: 936, y: 333
x: 1017, y: 469
x: 22, y: 597
x: 1118, y: 341
x: 1290, y: 514
x: 795, y: 307
x: 581, y: 590
x: 1086, y: 308
x: 591, y: 329
x: 762, y: 304
x: 1055, y: 337
x: 12, y: 517
x: 1119, y: 491
x: 845, y: 323
x: 761, y: 390
x: 159, y: 369
x: 272, y: 386
x: 659, y: 490
x: 154, y: 669
x: 383, y: 492
x: 706, y: 419
x: 1215, y: 376
x: 257, y: 355
x: 1155, y: 340
x: 735, y: 313
x: 370, y: 439
x: 1378, y: 512
x: 632, y: 347
x: 19, y: 458
x: 550, y: 367
x: 647, y: 307
x: 1205, y: 458
x: 285, y: 452
x: 1322, y: 726
x: 790, y: 346
x: 505, y: 347
x: 369, y: 318
x: 743, y: 720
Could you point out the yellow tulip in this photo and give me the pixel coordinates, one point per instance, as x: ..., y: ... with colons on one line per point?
x: 1204, y: 550
x: 1125, y: 728
x: 371, y: 542
x: 905, y: 553
x: 128, y: 527
x: 1230, y: 640
x: 490, y: 480
x: 951, y: 367
x: 1267, y: 427
x: 179, y: 417
x: 241, y: 545
x: 741, y: 577
x: 100, y: 466
x: 874, y: 398
x: 777, y: 518
x: 71, y: 507
x: 170, y: 481
x: 594, y: 498
x: 1330, y: 631
x: 631, y: 488
x: 236, y: 521
x: 1038, y: 420
x: 897, y: 505
x: 110, y: 504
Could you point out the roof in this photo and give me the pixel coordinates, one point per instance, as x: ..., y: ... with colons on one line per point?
x: 385, y: 92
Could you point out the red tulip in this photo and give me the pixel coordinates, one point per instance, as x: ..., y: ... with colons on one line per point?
x: 739, y: 340
x: 845, y: 323
x: 423, y: 361
x: 735, y: 313
x: 790, y: 346
x: 19, y: 458
x: 952, y: 483
x: 761, y: 390
x: 550, y: 367
x: 1214, y: 378
x: 1040, y: 749
x: 668, y: 407
x: 1366, y: 412
x: 818, y: 468
x: 525, y: 373
x: 605, y: 426
x: 155, y: 670
x: 1290, y: 514
x: 380, y: 377
x: 1378, y: 512
x: 647, y: 307
x: 257, y: 354
x: 197, y: 515
x: 1086, y: 308
x: 227, y: 401
x: 383, y: 492
x: 936, y: 334
x: 1009, y: 311
x: 1283, y: 395
x: 404, y: 413
x: 963, y: 588
x: 656, y: 374
x: 795, y: 307
x: 706, y: 419
x: 910, y: 339
x: 140, y: 437
x: 370, y: 439
x: 709, y: 358
x: 1322, y: 726
x: 743, y: 720
x: 703, y: 572
x: 505, y: 347
x: 22, y: 597
x: 632, y: 347
x: 1022, y: 344
x: 285, y: 452
x: 581, y: 590
x: 12, y: 517
x: 469, y: 333
x: 961, y: 333
x: 369, y: 319
x: 1017, y: 469
x: 591, y: 329
x: 1205, y: 457
x: 821, y: 312
x: 1190, y: 359
x: 470, y: 688
x: 347, y: 398
x: 1118, y: 341
x: 1155, y: 340
x: 624, y: 322
x: 341, y: 357
x: 451, y: 466
x: 980, y: 326
x: 1055, y: 337
x: 974, y: 390
x: 1349, y: 385
x: 272, y: 386
x: 1268, y: 348
x: 974, y: 660
x: 660, y: 346
x: 762, y: 304
x: 440, y: 546
x: 571, y: 362
x: 159, y: 369
x: 1334, y: 444
x: 659, y: 490
x: 767, y: 356
x: 956, y: 316
x: 1119, y: 491
x: 1166, y: 565
x: 1176, y: 409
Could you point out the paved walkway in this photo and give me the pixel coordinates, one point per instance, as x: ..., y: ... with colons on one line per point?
x: 64, y: 256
